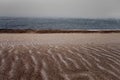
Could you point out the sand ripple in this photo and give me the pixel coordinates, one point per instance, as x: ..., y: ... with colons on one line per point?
x: 60, y: 62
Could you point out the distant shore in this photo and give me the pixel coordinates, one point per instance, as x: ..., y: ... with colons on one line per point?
x: 58, y: 31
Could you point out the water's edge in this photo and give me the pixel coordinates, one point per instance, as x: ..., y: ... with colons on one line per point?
x: 59, y: 31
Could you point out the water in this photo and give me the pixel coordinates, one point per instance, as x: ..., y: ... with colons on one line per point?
x: 44, y: 23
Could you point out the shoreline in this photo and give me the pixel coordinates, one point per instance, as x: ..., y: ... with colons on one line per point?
x: 59, y: 31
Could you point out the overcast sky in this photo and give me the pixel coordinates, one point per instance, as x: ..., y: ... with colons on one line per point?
x: 61, y: 8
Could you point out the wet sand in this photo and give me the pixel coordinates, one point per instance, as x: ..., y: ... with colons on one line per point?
x: 60, y: 31
x: 60, y: 56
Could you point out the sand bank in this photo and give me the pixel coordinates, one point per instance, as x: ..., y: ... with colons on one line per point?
x: 63, y: 56
x: 61, y: 38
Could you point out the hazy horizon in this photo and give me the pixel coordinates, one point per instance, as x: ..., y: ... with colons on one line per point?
x: 60, y: 8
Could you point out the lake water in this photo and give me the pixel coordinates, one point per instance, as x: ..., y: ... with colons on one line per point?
x: 45, y: 23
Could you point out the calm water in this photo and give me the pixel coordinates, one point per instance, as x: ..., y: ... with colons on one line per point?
x: 44, y: 23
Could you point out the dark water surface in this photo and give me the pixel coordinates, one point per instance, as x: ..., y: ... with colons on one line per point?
x: 45, y: 23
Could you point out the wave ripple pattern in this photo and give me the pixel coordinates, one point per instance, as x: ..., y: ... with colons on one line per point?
x: 60, y: 62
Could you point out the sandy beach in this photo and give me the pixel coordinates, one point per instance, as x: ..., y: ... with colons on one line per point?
x: 60, y: 56
x: 59, y: 38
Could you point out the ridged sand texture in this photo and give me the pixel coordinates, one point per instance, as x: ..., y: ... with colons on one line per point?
x: 35, y: 60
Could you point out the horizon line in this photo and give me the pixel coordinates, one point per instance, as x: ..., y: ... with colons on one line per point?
x: 55, y: 17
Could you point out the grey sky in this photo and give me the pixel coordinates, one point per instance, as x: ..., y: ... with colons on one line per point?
x: 61, y: 8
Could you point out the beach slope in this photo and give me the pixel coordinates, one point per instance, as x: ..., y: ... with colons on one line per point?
x: 60, y: 56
